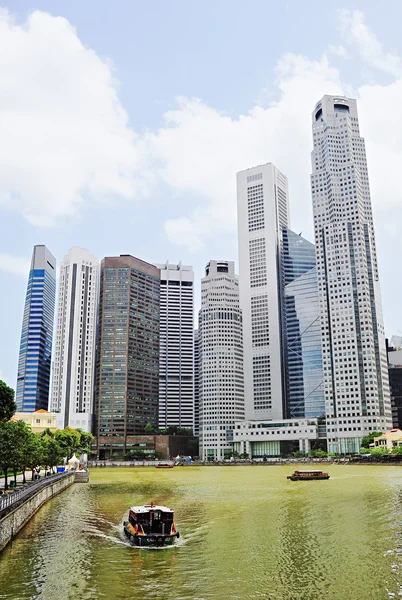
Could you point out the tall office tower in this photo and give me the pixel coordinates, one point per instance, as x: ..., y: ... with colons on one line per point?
x: 302, y: 355
x: 395, y: 380
x: 196, y: 382
x: 176, y: 363
x: 262, y: 205
x: 221, y: 384
x: 74, y: 356
x: 127, y: 360
x: 35, y: 356
x: 357, y: 398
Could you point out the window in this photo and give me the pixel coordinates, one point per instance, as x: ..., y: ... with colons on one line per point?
x: 258, y: 267
x: 255, y: 202
x: 259, y: 321
x: 255, y: 177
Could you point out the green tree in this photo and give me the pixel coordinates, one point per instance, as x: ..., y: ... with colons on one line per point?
x: 14, y: 436
x: 21, y: 434
x: 53, y: 452
x: 176, y: 430
x: 369, y: 439
x: 319, y: 453
x: 69, y: 441
x: 184, y: 431
x: 148, y: 428
x: 7, y: 403
x: 47, y: 433
x: 86, y: 440
x: 34, y: 452
x: 378, y: 451
x: 397, y: 450
x: 7, y: 449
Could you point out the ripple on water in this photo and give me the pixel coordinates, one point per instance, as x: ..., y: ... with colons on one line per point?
x: 246, y: 533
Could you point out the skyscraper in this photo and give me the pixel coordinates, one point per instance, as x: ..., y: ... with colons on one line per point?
x: 74, y: 356
x: 196, y: 382
x: 262, y: 205
x: 127, y: 363
x: 221, y: 385
x: 301, y: 327
x: 35, y: 356
x: 395, y: 380
x: 176, y: 364
x: 356, y: 386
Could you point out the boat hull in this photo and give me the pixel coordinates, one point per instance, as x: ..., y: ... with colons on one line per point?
x: 313, y: 478
x: 152, y: 540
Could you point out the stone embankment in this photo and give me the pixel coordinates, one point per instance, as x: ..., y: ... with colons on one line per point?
x: 17, y: 508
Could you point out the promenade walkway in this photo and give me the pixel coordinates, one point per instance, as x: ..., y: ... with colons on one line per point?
x: 10, y: 500
x: 28, y: 477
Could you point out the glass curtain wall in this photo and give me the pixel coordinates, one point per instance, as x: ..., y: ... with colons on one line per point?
x: 301, y: 328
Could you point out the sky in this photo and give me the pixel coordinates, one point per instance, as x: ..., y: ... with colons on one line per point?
x: 122, y: 127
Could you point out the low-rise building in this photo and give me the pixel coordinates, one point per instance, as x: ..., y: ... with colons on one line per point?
x: 389, y: 439
x: 276, y: 438
x: 38, y: 420
x: 167, y: 446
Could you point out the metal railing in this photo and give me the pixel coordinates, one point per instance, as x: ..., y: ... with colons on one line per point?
x: 20, y: 495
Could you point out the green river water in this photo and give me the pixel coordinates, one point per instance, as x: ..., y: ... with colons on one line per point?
x: 247, y: 533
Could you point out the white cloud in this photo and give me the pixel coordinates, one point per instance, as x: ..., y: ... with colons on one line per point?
x: 65, y: 136
x: 338, y: 51
x: 355, y: 31
x: 17, y: 265
x: 200, y: 149
x: 63, y: 131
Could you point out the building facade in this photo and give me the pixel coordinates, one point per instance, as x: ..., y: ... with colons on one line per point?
x: 356, y: 386
x: 38, y: 421
x: 221, y: 383
x: 74, y: 356
x: 263, y: 209
x: 262, y: 439
x: 34, y: 363
x: 395, y: 382
x: 301, y: 327
x: 127, y: 361
x: 176, y: 362
x: 196, y: 382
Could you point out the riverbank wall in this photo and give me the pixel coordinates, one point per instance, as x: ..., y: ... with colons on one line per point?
x: 14, y: 516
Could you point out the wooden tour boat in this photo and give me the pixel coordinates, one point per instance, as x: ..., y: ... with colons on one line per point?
x: 307, y: 475
x: 151, y: 525
x: 164, y: 465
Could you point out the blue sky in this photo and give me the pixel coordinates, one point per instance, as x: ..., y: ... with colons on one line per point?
x: 122, y: 126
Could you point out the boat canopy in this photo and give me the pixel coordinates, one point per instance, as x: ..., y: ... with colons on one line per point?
x: 148, y: 507
x: 310, y: 471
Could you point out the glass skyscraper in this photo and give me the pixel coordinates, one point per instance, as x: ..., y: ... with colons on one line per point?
x: 127, y: 363
x: 303, y: 375
x: 34, y: 362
